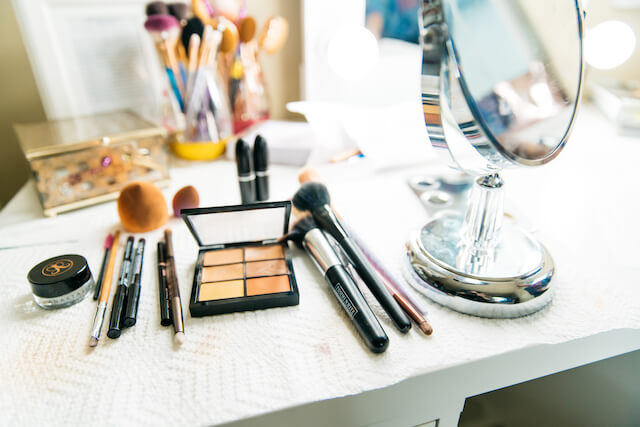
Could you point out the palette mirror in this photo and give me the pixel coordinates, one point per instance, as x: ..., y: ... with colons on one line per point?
x: 501, y: 82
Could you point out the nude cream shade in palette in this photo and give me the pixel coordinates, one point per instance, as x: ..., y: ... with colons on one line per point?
x: 240, y: 264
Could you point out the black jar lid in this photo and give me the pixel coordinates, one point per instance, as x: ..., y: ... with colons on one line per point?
x: 59, y: 276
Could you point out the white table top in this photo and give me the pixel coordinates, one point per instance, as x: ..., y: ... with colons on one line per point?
x: 240, y: 365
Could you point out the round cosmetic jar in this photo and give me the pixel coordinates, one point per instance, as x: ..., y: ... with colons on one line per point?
x: 60, y: 281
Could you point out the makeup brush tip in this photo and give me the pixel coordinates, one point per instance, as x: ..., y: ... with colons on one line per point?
x: 93, y: 342
x: 178, y: 338
x: 426, y: 327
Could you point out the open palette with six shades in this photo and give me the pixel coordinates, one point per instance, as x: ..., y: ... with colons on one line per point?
x: 240, y: 265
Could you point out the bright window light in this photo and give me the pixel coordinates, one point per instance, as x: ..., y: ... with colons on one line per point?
x: 352, y: 52
x: 609, y: 44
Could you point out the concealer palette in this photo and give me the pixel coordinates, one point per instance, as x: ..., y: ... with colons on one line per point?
x: 241, y: 266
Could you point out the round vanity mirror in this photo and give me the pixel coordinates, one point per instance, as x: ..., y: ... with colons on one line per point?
x: 501, y: 82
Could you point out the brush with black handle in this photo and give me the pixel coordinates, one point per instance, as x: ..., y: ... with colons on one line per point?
x: 305, y: 233
x: 313, y: 197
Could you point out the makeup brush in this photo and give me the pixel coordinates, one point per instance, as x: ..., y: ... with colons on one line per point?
x: 274, y: 34
x: 193, y: 26
x: 98, y: 320
x: 202, y: 9
x: 306, y: 234
x: 157, y: 8
x: 314, y: 197
x: 165, y: 30
x: 107, y: 249
x: 395, y: 287
x: 230, y: 35
x: 180, y: 11
x: 247, y: 29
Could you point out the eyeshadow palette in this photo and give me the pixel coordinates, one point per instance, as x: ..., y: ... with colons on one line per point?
x: 240, y: 265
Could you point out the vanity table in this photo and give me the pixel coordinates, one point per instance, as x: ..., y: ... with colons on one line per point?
x: 305, y: 365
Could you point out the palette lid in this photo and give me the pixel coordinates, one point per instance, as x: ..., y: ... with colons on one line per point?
x: 238, y: 225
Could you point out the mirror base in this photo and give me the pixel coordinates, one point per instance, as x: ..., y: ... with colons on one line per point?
x: 513, y: 280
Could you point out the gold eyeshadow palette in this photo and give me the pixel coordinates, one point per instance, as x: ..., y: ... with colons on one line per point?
x: 241, y: 265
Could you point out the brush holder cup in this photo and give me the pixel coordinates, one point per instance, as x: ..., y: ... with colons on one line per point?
x: 501, y: 82
x: 247, y: 89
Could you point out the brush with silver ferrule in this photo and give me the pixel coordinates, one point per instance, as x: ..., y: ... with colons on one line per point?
x: 314, y: 197
x: 305, y: 233
x: 98, y: 320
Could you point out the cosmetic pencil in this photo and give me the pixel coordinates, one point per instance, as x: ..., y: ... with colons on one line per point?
x: 98, y: 320
x: 306, y: 234
x: 246, y: 177
x: 174, y: 291
x: 133, y: 295
x: 163, y: 296
x: 120, y: 297
x: 261, y: 166
x: 313, y: 197
x: 107, y: 249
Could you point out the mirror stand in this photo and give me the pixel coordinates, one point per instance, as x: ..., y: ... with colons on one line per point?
x: 482, y: 263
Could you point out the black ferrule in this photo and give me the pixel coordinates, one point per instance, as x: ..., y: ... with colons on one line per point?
x: 327, y: 220
x: 356, y: 307
x: 371, y: 278
x: 116, y: 312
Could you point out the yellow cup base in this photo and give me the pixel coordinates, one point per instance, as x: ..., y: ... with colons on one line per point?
x: 204, y: 150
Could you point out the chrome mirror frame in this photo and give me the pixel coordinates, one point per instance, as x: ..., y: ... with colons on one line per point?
x: 459, y: 260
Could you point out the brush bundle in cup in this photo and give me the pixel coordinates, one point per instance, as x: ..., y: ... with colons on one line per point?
x: 247, y: 92
x: 188, y: 50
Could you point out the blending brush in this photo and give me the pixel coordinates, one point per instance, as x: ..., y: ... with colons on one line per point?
x: 274, y: 34
x: 306, y: 234
x: 410, y: 306
x: 157, y: 8
x: 314, y: 197
x: 165, y: 30
x: 180, y: 11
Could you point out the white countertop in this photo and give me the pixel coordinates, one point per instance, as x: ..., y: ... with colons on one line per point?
x: 584, y: 207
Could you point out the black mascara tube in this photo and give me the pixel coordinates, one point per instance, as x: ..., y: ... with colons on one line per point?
x: 261, y: 165
x: 246, y: 177
x: 346, y: 291
x: 163, y: 292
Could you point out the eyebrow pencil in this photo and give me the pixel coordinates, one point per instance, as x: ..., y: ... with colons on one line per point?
x: 314, y: 197
x: 174, y: 291
x: 120, y: 297
x: 98, y: 320
x: 163, y: 295
x: 108, y: 242
x: 305, y: 233
x: 133, y: 296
